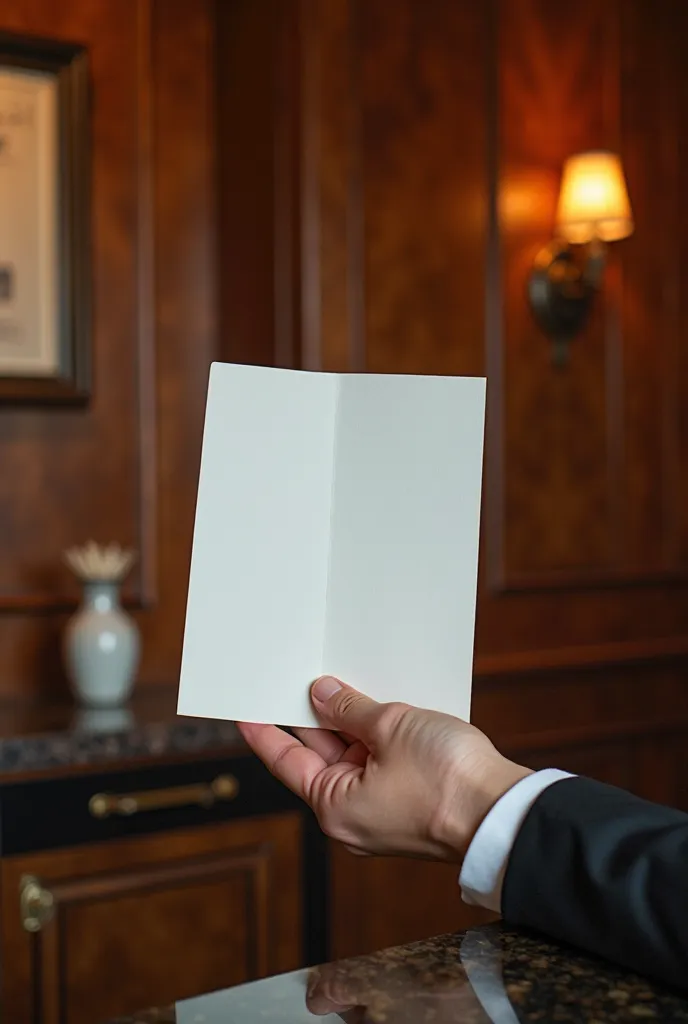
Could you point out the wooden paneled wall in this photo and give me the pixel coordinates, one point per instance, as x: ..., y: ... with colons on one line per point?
x: 416, y: 186
x: 125, y: 468
x: 415, y: 150
x: 368, y: 184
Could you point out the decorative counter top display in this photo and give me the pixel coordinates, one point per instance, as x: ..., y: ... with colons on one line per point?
x: 55, y: 737
x: 488, y: 975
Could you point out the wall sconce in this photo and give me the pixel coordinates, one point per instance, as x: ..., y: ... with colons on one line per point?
x: 593, y: 209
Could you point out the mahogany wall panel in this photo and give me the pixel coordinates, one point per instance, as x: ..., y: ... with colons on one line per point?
x: 185, y: 294
x: 423, y: 138
x: 59, y: 466
x: 676, y: 140
x: 385, y: 176
x: 255, y: 125
x: 606, y: 451
x: 553, y: 100
x: 429, y: 152
x: 415, y: 157
x: 582, y: 502
x: 124, y: 468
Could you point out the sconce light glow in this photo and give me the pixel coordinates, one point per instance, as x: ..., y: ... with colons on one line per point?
x: 593, y: 201
x: 593, y: 209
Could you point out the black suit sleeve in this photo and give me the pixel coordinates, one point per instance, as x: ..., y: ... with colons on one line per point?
x: 601, y: 869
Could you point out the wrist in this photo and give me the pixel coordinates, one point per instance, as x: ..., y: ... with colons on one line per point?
x: 475, y: 793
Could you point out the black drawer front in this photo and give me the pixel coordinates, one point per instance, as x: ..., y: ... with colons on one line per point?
x: 51, y: 813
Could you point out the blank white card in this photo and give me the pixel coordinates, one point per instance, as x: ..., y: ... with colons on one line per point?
x: 336, y: 533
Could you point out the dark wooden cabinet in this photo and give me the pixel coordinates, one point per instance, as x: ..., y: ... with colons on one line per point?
x: 133, y: 887
x: 149, y: 919
x: 381, y: 901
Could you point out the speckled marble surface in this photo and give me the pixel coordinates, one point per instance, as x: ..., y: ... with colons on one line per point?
x: 48, y: 737
x: 489, y: 974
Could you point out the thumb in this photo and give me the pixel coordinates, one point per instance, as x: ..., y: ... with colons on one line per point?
x: 344, y: 708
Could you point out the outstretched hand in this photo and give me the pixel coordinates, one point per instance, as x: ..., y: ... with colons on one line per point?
x: 388, y: 778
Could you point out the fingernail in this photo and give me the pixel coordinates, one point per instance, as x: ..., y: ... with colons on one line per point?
x: 325, y: 688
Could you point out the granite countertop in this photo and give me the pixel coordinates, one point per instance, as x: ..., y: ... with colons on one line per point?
x: 488, y: 974
x: 50, y: 737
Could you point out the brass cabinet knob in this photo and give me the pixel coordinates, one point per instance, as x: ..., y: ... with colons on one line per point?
x: 36, y: 904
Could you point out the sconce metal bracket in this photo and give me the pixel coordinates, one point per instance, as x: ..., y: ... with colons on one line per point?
x: 561, y: 290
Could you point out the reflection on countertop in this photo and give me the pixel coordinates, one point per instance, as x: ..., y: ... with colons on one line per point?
x: 61, y: 736
x: 489, y: 974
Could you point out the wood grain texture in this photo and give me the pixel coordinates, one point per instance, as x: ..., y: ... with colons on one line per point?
x: 677, y: 420
x: 146, y: 921
x: 531, y: 712
x: 363, y: 186
x: 381, y: 902
x: 553, y: 99
x: 185, y: 303
x: 423, y: 137
x: 582, y: 512
x: 440, y: 130
x: 458, y: 119
x: 58, y: 465
x: 125, y: 468
x: 590, y: 496
x: 145, y: 285
x: 255, y: 112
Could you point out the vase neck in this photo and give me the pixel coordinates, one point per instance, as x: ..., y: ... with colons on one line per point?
x: 101, y: 596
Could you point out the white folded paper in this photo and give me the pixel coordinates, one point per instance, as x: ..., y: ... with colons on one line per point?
x: 336, y: 533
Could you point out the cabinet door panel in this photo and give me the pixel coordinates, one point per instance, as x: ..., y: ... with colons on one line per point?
x: 147, y: 921
x: 380, y: 902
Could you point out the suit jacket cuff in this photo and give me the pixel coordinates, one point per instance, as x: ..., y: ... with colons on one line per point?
x: 484, y: 866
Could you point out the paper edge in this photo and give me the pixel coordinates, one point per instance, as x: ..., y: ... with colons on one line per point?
x: 339, y: 378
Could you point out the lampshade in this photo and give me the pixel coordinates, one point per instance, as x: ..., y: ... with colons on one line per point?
x: 593, y: 201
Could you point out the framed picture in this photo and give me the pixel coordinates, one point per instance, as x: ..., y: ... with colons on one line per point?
x: 45, y: 322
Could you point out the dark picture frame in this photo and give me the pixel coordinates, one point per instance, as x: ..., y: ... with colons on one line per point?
x: 68, y: 379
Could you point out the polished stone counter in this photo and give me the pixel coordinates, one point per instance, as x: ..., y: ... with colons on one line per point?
x: 53, y: 737
x: 489, y: 974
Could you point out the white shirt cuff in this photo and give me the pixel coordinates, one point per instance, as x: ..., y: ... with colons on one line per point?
x: 484, y: 866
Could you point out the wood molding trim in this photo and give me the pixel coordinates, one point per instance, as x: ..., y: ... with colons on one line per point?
x: 627, y: 652
x: 146, y: 294
x: 616, y: 732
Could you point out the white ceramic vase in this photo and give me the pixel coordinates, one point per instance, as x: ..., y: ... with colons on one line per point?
x: 101, y: 648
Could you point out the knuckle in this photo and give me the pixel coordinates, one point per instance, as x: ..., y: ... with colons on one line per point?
x: 334, y: 818
x: 332, y: 825
x: 347, y: 702
x: 390, y: 719
x: 284, y: 753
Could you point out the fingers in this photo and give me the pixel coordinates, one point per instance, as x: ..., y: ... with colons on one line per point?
x: 287, y: 758
x: 320, y: 1005
x: 344, y: 708
x: 357, y: 753
x: 328, y: 994
x: 323, y: 742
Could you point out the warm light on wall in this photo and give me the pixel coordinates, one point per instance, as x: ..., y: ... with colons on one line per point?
x: 593, y: 201
x: 593, y: 209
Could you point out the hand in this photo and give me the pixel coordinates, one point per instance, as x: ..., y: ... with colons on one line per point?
x: 377, y: 987
x: 388, y: 778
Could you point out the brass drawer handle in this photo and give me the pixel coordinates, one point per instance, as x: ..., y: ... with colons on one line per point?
x: 36, y: 904
x: 203, y: 794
